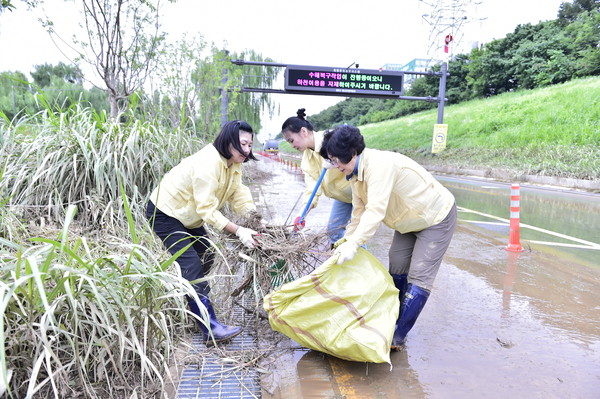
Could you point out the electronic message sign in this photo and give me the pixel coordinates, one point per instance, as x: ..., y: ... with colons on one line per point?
x: 343, y: 81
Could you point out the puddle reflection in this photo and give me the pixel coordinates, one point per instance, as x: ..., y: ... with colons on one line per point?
x: 509, y: 280
x: 325, y: 376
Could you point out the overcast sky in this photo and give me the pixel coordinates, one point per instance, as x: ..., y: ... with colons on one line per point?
x: 335, y: 33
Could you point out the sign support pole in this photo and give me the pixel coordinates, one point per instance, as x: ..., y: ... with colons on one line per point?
x: 442, y: 93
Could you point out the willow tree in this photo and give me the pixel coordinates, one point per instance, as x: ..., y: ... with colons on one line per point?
x: 248, y: 106
x: 211, y: 87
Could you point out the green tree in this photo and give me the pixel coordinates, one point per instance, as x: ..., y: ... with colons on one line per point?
x: 98, y: 100
x: 357, y: 107
x: 176, y: 99
x: 207, y: 79
x: 16, y: 96
x: 61, y: 94
x: 248, y: 106
x: 457, y: 85
x: 583, y: 37
x: 531, y: 56
x: 489, y: 71
x: 568, y: 12
x: 123, y: 45
x: 43, y: 74
x: 541, y: 57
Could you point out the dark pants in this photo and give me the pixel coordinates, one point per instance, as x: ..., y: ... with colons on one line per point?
x: 195, y: 262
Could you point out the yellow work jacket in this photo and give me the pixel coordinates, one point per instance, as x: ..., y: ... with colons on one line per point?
x: 393, y: 189
x: 334, y: 184
x: 195, y: 190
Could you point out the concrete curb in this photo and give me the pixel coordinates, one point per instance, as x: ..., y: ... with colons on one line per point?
x: 503, y: 175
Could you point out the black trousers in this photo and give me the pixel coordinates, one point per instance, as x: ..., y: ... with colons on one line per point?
x: 196, y: 261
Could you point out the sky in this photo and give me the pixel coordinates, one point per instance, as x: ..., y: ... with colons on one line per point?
x: 333, y: 33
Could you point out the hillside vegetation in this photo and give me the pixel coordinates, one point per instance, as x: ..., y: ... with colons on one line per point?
x: 552, y: 131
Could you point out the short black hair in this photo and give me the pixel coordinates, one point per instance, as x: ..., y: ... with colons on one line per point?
x: 293, y: 124
x: 342, y: 142
x: 230, y: 134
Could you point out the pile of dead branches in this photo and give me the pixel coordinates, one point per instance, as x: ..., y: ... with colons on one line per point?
x: 281, y: 255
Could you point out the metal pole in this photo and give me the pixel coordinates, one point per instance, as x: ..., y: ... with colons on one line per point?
x: 224, y: 98
x: 224, y: 93
x: 442, y: 93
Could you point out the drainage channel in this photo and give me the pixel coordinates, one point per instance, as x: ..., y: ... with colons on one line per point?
x: 211, y: 378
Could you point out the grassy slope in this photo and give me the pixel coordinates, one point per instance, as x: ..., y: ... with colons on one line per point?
x: 554, y: 131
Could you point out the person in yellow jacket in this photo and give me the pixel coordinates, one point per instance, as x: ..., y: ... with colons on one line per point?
x: 301, y: 135
x: 391, y: 188
x: 192, y: 194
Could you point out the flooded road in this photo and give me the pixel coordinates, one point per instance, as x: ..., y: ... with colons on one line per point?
x: 565, y: 222
x: 498, y: 324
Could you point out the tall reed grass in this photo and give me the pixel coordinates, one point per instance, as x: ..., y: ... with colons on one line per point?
x: 80, y: 320
x: 52, y: 161
x: 91, y: 304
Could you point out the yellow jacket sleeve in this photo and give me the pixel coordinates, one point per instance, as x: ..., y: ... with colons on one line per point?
x: 396, y: 190
x: 197, y: 188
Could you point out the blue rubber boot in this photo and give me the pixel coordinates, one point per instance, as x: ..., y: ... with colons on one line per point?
x: 400, y: 281
x: 413, y: 302
x: 217, y: 330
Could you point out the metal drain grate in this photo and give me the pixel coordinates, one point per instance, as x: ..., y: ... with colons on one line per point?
x: 213, y: 379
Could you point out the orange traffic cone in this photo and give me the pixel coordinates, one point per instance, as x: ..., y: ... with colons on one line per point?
x: 514, y: 239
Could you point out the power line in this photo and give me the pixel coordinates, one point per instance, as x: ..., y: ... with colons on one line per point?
x: 447, y: 20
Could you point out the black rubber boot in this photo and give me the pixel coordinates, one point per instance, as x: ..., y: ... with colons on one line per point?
x: 410, y: 308
x: 217, y: 330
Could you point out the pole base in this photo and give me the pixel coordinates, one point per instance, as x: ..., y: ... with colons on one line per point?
x: 514, y: 248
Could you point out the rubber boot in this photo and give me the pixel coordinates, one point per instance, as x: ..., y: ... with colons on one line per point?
x: 400, y: 281
x: 217, y: 330
x: 410, y: 308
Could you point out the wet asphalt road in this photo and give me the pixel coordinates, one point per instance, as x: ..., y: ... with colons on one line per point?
x: 498, y: 324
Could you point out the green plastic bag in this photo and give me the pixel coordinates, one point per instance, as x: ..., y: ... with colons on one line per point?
x: 348, y: 310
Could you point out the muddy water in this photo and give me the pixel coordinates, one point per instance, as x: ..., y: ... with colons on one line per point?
x: 497, y: 325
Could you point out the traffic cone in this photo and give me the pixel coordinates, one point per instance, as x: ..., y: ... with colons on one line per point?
x: 514, y: 239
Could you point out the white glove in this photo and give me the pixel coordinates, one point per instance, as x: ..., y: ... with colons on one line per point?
x: 327, y: 164
x: 346, y: 251
x: 245, y: 236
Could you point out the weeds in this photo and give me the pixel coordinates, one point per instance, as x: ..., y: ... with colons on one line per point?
x: 74, y: 159
x: 85, y: 318
x: 75, y: 315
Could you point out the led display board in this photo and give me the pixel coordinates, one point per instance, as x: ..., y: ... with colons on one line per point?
x: 343, y: 81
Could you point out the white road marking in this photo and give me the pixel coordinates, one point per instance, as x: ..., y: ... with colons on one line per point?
x: 585, y: 244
